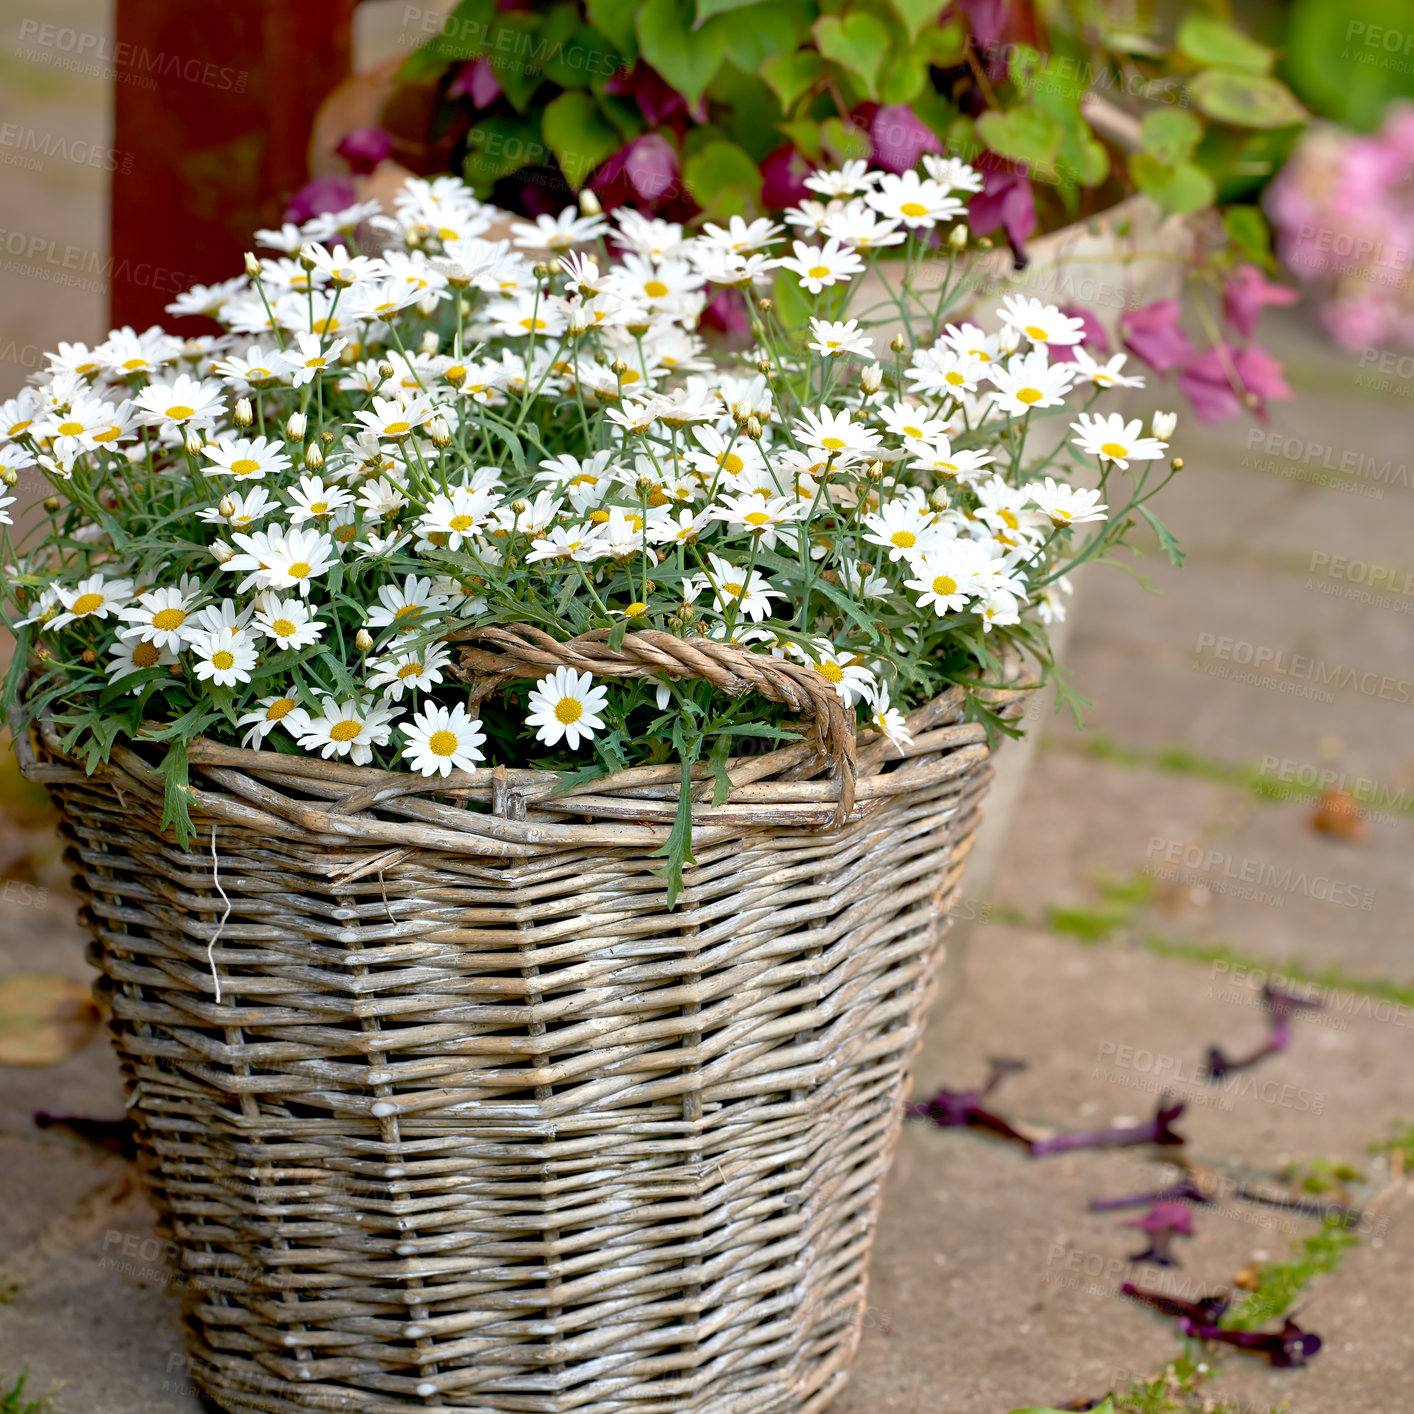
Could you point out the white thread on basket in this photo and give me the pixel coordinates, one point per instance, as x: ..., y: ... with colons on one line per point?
x: 211, y: 946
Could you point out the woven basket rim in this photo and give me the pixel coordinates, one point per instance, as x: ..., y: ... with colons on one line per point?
x: 841, y: 775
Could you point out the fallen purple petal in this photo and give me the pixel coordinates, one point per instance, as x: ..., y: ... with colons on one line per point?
x: 1207, y: 1310
x: 952, y: 1109
x: 1280, y: 1008
x: 1287, y: 1348
x: 1156, y: 1131
x: 1184, y: 1191
x: 1163, y: 1222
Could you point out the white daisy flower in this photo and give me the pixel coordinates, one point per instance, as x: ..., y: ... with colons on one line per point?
x: 914, y: 200
x: 903, y: 529
x: 312, y: 357
x: 395, y: 420
x: 1000, y: 607
x: 740, y: 236
x: 905, y: 421
x: 349, y: 729
x: 1104, y: 375
x: 582, y: 543
x: 557, y: 233
x: 408, y: 608
x: 416, y: 671
x: 951, y: 173
x: 269, y: 713
x: 185, y: 401
x: 968, y: 339
x: 762, y: 516
x: 950, y: 575
x: 844, y: 180
x: 288, y: 621
x: 861, y: 228
x: 161, y: 616
x: 442, y: 739
x: 313, y: 499
x: 240, y: 509
x: 944, y: 370
x: 834, y: 434
x: 91, y: 598
x: 282, y: 558
x: 939, y: 457
x: 849, y: 677
x: 1067, y: 505
x: 248, y: 458
x: 566, y: 705
x: 733, y: 590
x: 1113, y: 439
x: 1041, y: 323
x: 1029, y: 381
x: 224, y: 658
x: 833, y: 338
x: 136, y: 655
x: 819, y: 267
x: 887, y: 720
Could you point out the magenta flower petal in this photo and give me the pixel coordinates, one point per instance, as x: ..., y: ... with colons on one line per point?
x: 1156, y: 1131
x: 1207, y: 383
x: 1096, y: 340
x: 1247, y: 293
x: 644, y: 173
x: 319, y: 196
x: 900, y: 138
x: 986, y: 19
x: 783, y: 174
x: 478, y: 82
x: 1006, y: 201
x: 365, y: 148
x: 1152, y: 333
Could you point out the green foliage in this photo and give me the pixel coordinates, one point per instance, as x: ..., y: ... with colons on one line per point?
x: 1178, y: 188
x: 858, y: 43
x: 723, y: 180
x: 579, y: 134
x: 685, y: 54
x: 12, y: 1397
x: 1336, y: 60
x: 1280, y: 1283
x: 1207, y: 40
x: 1246, y: 100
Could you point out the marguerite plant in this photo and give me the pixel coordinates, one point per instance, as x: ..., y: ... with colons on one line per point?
x: 274, y: 536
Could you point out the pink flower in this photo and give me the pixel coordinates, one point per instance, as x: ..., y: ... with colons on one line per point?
x: 364, y: 148
x: 478, y: 81
x: 1096, y: 340
x: 1219, y: 382
x: 1152, y: 333
x: 644, y: 172
x: 1245, y: 295
x: 783, y: 174
x: 1006, y: 201
x: 321, y: 195
x: 900, y: 139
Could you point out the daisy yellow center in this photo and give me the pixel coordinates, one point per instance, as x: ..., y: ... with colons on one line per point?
x: 532, y: 325
x: 635, y: 609
x: 345, y: 534
x: 914, y: 431
x: 944, y: 584
x: 818, y: 272
x: 397, y: 429
x: 223, y: 660
x: 733, y: 589
x: 280, y: 707
x: 656, y: 288
x: 243, y: 466
x: 913, y: 208
x: 731, y: 462
x: 109, y: 434
x: 982, y: 354
x: 180, y: 410
x: 16, y: 429
x: 169, y: 619
x: 903, y: 539
x: 87, y: 603
x: 757, y: 518
x: 324, y: 326
x: 146, y: 655
x: 409, y: 670
x: 1029, y: 395
x: 583, y: 479
x: 657, y: 498
x: 567, y: 710
x: 299, y: 570
x: 1034, y: 331
x: 1058, y: 513
x: 629, y: 375
x: 133, y: 364
x: 832, y: 444
x: 442, y: 743
x: 345, y: 731
x: 318, y: 508
x: 70, y: 429
x: 315, y: 362
x: 455, y: 373
x: 1113, y: 449
x: 599, y: 517
x: 257, y: 375
x: 955, y: 378
x: 284, y: 628
x: 833, y: 671
x: 408, y: 611
x: 460, y: 523
x: 1009, y: 518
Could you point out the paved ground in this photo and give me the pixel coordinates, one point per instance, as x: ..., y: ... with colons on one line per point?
x: 1268, y: 657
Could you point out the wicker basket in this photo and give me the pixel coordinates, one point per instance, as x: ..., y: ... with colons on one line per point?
x: 443, y: 1110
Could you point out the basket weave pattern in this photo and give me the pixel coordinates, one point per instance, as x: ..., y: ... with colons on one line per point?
x: 444, y: 1111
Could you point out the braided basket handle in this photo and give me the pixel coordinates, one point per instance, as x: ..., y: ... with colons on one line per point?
x: 491, y: 657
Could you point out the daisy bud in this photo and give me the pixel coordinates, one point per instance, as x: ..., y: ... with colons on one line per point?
x: 938, y: 499
x: 753, y: 428
x: 957, y: 237
x: 765, y: 305
x: 89, y: 656
x: 252, y: 265
x: 644, y: 484
x: 306, y: 260
x: 464, y: 306
x: 1163, y: 424
x: 871, y: 378
x: 43, y: 653
x: 439, y: 432
x: 430, y: 342
x: 985, y: 242
x: 385, y: 370
x: 244, y: 414
x: 174, y: 670
x: 9, y: 476
x: 313, y: 457
x: 53, y: 505
x: 763, y: 365
x: 589, y: 204
x: 363, y: 640
x: 327, y: 437
x: 226, y: 508
x: 427, y: 306
x: 294, y: 428
x: 898, y: 344
x: 875, y: 471
x: 1176, y: 463
x: 1008, y: 338
x: 540, y: 270
x: 193, y: 441
x: 221, y: 552
x: 520, y: 506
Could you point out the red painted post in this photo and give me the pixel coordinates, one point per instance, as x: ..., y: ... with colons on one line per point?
x: 215, y: 101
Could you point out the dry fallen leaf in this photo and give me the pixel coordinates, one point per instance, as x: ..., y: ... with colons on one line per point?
x: 1247, y: 1279
x: 1338, y: 813
x: 44, y: 1019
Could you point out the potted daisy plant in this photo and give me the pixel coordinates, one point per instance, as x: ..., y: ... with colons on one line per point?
x: 519, y: 761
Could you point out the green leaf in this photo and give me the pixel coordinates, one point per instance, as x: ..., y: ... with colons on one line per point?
x: 707, y: 8
x: 721, y: 780
x: 790, y: 75
x: 585, y: 57
x: 768, y: 31
x: 1246, y: 100
x: 1026, y: 134
x: 678, y: 849
x: 579, y: 135
x: 176, y: 794
x: 1335, y: 61
x: 685, y: 55
x: 614, y: 19
x: 1170, y: 134
x: 916, y: 14
x: 903, y: 79
x: 1208, y: 40
x: 722, y: 179
x: 1247, y: 229
x: 805, y: 134
x: 512, y: 45
x: 842, y: 140
x: 857, y: 42
x: 1167, y: 542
